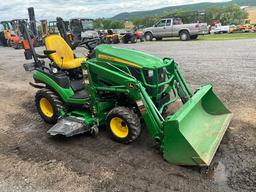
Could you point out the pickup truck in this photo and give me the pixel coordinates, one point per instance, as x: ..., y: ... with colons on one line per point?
x: 174, y: 27
x: 218, y: 28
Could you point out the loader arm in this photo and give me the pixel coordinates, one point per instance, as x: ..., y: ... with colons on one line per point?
x: 192, y: 134
x: 125, y: 83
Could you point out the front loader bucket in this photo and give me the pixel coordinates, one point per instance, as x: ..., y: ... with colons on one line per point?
x: 193, y: 134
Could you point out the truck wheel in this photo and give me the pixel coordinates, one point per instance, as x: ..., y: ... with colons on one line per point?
x: 123, y: 125
x: 184, y: 35
x: 148, y: 36
x: 193, y: 37
x: 48, y: 105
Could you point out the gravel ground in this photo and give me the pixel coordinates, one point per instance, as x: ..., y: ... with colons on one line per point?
x: 31, y: 160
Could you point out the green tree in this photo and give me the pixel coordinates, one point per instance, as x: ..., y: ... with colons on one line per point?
x: 227, y: 15
x: 147, y: 21
x: 98, y: 23
x: 231, y: 14
x: 117, y: 25
x: 102, y: 23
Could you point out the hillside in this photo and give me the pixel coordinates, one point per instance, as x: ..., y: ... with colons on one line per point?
x: 191, y: 7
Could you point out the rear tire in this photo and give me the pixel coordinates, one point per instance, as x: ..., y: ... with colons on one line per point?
x: 184, y: 35
x: 159, y: 38
x: 48, y: 105
x: 115, y: 40
x: 123, y: 125
x: 148, y: 36
x: 193, y: 37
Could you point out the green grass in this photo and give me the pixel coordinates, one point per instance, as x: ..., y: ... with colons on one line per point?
x: 232, y: 36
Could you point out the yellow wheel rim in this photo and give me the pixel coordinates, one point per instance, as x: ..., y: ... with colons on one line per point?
x: 46, y: 107
x: 119, y: 127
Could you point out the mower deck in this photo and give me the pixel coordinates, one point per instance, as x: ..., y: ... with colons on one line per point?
x: 69, y: 126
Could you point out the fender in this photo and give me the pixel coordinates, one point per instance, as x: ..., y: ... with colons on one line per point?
x: 65, y: 93
x: 149, y: 31
x: 184, y: 29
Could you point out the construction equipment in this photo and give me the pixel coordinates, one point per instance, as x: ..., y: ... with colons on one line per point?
x: 119, y: 88
x: 83, y: 29
x: 52, y: 27
x: 44, y: 28
x: 65, y: 34
x: 127, y: 37
x: 10, y: 35
x: 32, y: 21
x: 37, y: 29
x: 111, y: 37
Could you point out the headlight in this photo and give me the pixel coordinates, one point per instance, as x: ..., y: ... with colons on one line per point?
x: 150, y: 73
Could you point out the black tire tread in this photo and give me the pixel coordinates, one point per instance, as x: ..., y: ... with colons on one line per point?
x: 57, y: 103
x: 188, y: 35
x: 150, y: 35
x: 132, y: 119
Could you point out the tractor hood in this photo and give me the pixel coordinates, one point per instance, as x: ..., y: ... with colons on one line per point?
x: 128, y: 57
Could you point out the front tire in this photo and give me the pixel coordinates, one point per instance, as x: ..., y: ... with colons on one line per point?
x: 48, y: 105
x: 123, y: 125
x: 184, y: 35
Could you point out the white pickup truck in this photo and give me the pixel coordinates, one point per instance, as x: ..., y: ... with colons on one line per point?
x: 174, y: 27
x: 219, y: 28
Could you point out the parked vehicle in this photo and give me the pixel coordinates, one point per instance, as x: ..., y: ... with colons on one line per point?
x: 111, y: 37
x: 83, y: 29
x: 9, y: 37
x: 245, y: 28
x: 139, y: 35
x: 174, y: 27
x: 121, y: 89
x: 234, y: 29
x: 219, y: 28
x: 126, y: 36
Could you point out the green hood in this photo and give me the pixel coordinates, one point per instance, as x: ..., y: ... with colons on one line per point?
x: 128, y: 57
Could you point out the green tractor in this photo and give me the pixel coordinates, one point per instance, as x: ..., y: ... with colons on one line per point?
x: 123, y: 89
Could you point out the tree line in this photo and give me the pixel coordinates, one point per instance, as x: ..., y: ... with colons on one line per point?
x: 228, y: 15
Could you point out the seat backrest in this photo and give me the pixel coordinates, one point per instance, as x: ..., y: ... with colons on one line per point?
x: 63, y: 50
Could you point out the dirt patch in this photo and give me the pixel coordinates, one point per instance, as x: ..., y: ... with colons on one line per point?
x: 244, y: 179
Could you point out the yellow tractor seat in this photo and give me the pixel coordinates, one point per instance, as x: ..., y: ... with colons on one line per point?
x: 64, y: 56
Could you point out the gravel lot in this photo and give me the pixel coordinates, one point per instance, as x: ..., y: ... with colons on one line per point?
x: 31, y: 160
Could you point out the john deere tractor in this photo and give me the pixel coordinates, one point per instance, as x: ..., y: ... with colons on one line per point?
x: 123, y: 89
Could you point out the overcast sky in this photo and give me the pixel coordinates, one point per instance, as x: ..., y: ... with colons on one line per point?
x: 49, y: 9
